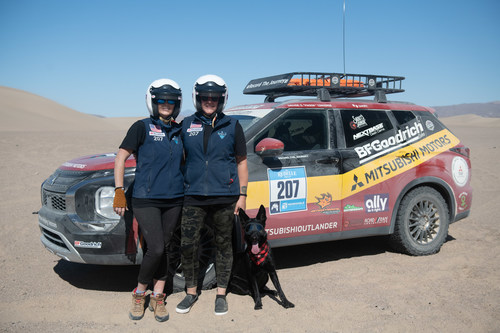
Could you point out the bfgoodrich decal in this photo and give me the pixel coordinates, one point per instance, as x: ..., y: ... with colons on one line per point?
x: 88, y: 245
x: 379, y: 147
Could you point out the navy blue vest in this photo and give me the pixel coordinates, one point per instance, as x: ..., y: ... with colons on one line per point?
x: 158, y: 173
x: 213, y: 173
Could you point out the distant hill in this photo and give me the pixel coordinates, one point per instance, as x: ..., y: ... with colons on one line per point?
x: 24, y: 111
x: 488, y: 110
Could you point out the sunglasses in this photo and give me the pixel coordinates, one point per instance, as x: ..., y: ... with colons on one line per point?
x: 254, y: 226
x: 206, y: 98
x: 163, y: 101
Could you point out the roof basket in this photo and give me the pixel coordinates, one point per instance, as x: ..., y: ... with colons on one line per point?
x: 325, y: 85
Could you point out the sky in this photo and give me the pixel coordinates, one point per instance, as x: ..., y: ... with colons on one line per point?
x: 99, y: 56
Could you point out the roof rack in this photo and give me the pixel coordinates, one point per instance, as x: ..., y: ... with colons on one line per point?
x: 325, y: 85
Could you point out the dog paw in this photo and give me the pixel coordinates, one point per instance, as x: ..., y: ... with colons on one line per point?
x: 258, y: 306
x: 288, y: 305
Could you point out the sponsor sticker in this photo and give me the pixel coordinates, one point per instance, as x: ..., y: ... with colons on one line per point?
x: 287, y: 190
x: 369, y: 131
x: 74, y: 165
x: 375, y: 203
x: 352, y: 208
x: 377, y: 147
x: 358, y: 122
x: 463, y: 201
x: 460, y: 171
x: 376, y: 220
x: 379, y: 170
x: 430, y: 125
x: 324, y: 201
x: 88, y: 245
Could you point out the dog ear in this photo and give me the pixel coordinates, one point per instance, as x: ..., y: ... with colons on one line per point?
x: 243, y: 216
x: 261, y: 215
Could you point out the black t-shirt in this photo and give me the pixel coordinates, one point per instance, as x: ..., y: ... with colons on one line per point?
x: 135, y: 137
x: 240, y: 149
x: 133, y: 140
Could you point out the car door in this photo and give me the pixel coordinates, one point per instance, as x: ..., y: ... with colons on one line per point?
x: 299, y: 187
x: 367, y: 199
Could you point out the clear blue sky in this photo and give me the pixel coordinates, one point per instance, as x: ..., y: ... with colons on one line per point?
x: 99, y: 56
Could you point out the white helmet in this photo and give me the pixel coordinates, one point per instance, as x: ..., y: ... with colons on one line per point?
x: 163, y: 89
x: 210, y: 85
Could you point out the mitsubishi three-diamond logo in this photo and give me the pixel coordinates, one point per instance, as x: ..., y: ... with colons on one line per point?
x: 356, y: 183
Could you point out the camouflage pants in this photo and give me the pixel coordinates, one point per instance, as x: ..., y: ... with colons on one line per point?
x: 193, y: 218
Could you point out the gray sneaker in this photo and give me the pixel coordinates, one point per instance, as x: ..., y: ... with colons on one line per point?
x: 185, y: 305
x: 220, y: 306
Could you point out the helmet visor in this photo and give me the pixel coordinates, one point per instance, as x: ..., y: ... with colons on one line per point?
x: 164, y: 101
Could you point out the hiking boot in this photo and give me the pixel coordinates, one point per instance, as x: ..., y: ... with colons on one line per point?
x: 220, y: 305
x: 157, y: 304
x: 137, y: 310
x: 185, y: 305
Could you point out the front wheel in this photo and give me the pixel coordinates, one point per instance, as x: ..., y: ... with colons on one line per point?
x: 421, y: 223
x: 206, y: 255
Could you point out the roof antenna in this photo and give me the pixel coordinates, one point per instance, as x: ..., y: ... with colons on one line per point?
x: 343, y: 33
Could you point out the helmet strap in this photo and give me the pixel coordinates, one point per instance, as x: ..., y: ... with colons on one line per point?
x: 166, y: 121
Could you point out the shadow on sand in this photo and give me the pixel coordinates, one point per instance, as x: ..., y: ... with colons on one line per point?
x: 124, y: 278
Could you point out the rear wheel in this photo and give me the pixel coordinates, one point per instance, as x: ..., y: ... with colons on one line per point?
x: 421, y: 223
x: 206, y: 254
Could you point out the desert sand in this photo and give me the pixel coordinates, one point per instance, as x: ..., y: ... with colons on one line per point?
x: 345, y: 286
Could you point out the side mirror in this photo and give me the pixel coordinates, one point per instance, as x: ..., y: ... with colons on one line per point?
x: 269, y: 147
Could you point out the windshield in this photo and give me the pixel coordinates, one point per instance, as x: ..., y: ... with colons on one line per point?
x: 246, y: 121
x: 247, y: 116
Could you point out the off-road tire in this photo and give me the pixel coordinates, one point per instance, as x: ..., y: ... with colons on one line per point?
x: 422, y: 222
x: 207, y: 277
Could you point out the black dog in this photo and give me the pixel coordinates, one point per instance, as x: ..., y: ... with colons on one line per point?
x: 256, y: 263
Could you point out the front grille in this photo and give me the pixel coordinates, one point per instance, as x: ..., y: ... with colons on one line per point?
x: 53, y: 200
x: 53, y: 238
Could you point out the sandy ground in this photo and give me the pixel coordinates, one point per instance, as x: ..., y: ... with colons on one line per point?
x: 345, y: 286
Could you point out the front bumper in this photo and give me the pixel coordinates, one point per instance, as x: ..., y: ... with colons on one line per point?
x: 61, y: 237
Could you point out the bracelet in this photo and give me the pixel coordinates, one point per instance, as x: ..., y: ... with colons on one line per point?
x: 123, y: 188
x: 243, y: 194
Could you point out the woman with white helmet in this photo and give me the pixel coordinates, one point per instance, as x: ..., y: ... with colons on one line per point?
x: 158, y: 188
x: 216, y: 180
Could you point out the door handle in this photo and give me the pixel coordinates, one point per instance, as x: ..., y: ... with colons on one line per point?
x: 328, y: 160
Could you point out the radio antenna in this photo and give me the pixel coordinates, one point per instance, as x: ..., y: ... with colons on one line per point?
x: 343, y: 33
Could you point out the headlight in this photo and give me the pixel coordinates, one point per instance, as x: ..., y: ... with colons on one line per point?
x: 104, y: 197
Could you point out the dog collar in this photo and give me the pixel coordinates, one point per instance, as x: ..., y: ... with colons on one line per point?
x: 261, y: 256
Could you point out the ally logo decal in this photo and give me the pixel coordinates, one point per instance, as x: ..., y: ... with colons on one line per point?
x: 375, y: 203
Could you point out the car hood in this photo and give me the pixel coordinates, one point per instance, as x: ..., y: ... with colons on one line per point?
x: 95, y: 162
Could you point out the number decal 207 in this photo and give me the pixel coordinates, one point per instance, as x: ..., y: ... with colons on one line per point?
x: 288, y: 189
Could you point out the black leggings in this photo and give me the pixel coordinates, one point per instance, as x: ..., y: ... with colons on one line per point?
x: 157, y: 226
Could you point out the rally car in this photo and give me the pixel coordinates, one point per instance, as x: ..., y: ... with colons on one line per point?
x: 326, y: 167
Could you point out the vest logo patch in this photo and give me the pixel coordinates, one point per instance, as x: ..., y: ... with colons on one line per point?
x: 195, y: 127
x: 155, y: 130
x: 221, y: 134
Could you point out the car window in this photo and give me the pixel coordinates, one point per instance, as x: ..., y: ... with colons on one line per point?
x: 361, y: 125
x: 404, y: 117
x: 299, y: 130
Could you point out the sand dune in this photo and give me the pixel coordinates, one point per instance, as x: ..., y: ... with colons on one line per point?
x: 20, y: 109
